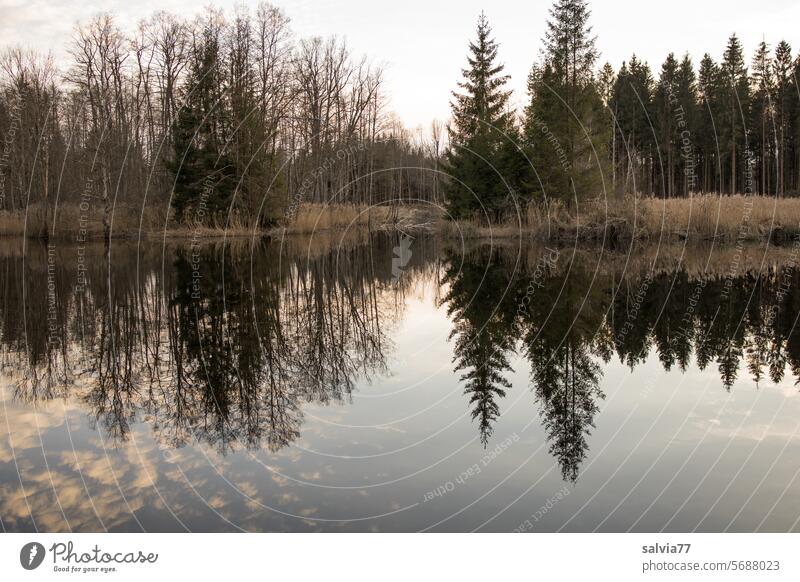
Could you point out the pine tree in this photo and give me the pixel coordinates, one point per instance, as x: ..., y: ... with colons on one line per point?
x: 633, y: 101
x: 480, y: 119
x: 709, y: 80
x: 761, y: 113
x: 666, y: 119
x: 784, y: 94
x: 686, y: 97
x: 736, y: 103
x: 793, y: 148
x: 254, y: 167
x: 607, y: 80
x: 675, y: 117
x: 565, y: 122
x: 202, y: 169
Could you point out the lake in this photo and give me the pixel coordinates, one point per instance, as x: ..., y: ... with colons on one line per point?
x: 393, y: 382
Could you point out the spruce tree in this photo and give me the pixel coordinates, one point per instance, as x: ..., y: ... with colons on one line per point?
x: 565, y: 122
x: 479, y: 121
x: 202, y: 169
x: 607, y: 80
x: 792, y: 168
x: 686, y: 95
x: 675, y: 114
x: 709, y: 112
x: 760, y: 122
x: 785, y: 95
x: 557, y: 332
x: 736, y: 101
x: 257, y: 189
x: 632, y: 99
x: 667, y: 119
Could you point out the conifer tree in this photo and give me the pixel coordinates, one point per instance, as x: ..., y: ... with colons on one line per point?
x: 761, y: 113
x: 254, y: 167
x: 735, y: 92
x: 667, y: 120
x: 674, y: 106
x: 709, y: 78
x: 607, y: 80
x: 785, y: 94
x: 686, y: 100
x: 566, y: 125
x: 792, y: 166
x: 557, y: 340
x: 480, y: 120
x: 202, y: 169
x: 632, y: 99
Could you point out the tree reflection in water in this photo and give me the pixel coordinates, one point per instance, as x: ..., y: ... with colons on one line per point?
x: 225, y: 345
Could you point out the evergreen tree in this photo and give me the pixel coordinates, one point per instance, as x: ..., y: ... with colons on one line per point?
x: 735, y: 94
x: 569, y: 405
x: 758, y: 339
x: 204, y: 178
x: 785, y: 94
x: 667, y: 119
x: 480, y: 120
x: 674, y: 107
x: 633, y: 100
x: 515, y: 167
x: 254, y: 167
x: 709, y: 78
x: 792, y: 166
x: 686, y: 97
x: 565, y: 123
x: 761, y: 113
x: 606, y: 81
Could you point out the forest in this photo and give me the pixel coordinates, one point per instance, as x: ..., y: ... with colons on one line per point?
x: 231, y: 119
x: 590, y: 131
x: 219, y: 118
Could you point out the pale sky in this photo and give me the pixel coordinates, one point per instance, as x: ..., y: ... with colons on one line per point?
x: 423, y: 43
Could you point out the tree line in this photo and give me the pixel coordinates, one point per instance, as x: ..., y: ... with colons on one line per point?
x: 722, y: 127
x: 216, y: 117
x: 230, y: 118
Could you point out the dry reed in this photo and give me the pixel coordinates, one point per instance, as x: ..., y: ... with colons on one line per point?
x: 321, y: 217
x: 699, y: 218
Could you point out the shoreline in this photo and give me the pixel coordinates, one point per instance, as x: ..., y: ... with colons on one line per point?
x: 722, y: 219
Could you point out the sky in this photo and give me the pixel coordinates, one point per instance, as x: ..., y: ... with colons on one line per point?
x: 423, y: 43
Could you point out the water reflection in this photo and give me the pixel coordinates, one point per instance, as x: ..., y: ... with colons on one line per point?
x: 227, y: 346
x: 211, y: 344
x: 570, y: 317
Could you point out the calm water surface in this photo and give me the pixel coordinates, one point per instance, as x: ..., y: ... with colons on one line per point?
x: 397, y: 384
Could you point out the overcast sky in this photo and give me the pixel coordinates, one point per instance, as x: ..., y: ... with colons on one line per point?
x: 423, y: 43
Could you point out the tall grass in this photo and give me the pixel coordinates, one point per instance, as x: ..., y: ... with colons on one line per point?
x: 321, y: 217
x: 700, y: 218
x: 70, y: 222
x: 725, y: 217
